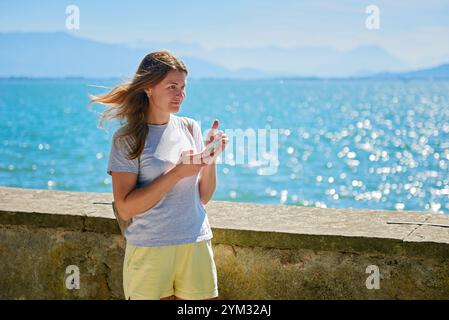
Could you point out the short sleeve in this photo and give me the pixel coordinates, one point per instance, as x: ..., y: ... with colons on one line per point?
x: 118, y: 158
x: 197, y: 136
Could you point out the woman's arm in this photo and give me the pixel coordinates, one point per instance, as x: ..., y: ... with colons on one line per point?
x: 207, y: 182
x: 208, y: 174
x: 131, y: 201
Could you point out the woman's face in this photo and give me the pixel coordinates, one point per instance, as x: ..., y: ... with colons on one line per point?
x: 168, y: 95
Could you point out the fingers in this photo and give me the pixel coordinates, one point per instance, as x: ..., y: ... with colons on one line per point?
x: 188, y: 157
x: 186, y: 153
x: 211, y: 156
x: 215, y: 124
x: 224, y: 142
x: 210, y: 135
x: 197, y: 159
x: 185, y: 156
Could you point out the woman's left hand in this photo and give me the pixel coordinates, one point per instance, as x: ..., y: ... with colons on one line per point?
x: 215, y: 134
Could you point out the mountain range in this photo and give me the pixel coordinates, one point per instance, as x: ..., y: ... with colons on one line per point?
x: 61, y: 54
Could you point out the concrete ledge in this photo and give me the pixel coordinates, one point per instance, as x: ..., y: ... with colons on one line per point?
x: 246, y: 224
x: 277, y: 237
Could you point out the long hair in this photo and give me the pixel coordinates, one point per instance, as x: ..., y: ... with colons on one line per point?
x: 128, y: 101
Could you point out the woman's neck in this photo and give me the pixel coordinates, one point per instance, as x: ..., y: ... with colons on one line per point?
x: 158, y: 119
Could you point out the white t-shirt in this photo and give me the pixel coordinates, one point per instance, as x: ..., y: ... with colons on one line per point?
x: 179, y: 217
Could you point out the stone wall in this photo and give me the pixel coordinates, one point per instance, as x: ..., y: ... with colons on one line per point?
x: 261, y: 251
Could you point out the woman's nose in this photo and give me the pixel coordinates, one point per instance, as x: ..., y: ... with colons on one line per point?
x: 180, y: 93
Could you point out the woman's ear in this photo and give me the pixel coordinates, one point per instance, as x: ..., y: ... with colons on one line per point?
x: 148, y: 91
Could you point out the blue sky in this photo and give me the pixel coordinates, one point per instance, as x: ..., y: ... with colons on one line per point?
x: 417, y: 32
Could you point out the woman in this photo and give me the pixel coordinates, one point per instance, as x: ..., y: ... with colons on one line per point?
x: 162, y: 181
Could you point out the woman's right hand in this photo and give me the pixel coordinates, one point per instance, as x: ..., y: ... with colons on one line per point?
x: 189, y: 164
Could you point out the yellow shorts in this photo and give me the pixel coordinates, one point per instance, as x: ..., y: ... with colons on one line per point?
x: 185, y: 270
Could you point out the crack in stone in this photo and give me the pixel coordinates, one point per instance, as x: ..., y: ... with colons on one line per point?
x: 416, y: 228
x: 108, y: 271
x: 84, y: 224
x: 234, y: 251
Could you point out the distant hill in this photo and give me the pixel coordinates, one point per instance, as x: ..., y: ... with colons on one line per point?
x: 436, y: 73
x: 60, y: 54
x: 308, y: 61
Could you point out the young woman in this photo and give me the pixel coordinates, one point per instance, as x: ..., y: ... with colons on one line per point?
x: 162, y: 180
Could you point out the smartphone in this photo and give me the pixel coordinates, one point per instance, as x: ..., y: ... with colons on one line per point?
x: 212, y: 146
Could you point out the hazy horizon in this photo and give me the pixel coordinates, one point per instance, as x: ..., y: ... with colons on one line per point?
x: 261, y: 35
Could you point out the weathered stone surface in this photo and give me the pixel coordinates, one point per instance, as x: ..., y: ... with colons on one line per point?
x: 261, y: 251
x: 261, y: 273
x: 34, y: 262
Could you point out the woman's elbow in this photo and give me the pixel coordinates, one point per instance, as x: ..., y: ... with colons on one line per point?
x: 123, y: 211
x: 204, y: 201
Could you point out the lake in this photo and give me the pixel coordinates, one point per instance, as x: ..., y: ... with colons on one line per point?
x: 340, y: 143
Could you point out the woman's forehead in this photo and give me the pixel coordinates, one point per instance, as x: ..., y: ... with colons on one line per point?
x: 175, y: 76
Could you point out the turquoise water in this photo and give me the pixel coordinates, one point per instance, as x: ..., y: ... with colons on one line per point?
x: 342, y: 143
